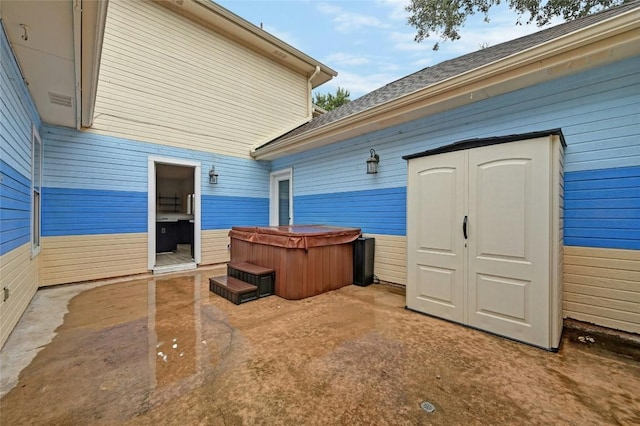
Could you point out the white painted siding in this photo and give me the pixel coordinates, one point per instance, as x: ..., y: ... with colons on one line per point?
x: 167, y: 80
x: 20, y: 274
x: 602, y: 286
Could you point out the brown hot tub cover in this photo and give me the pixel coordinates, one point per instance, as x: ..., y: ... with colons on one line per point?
x: 296, y: 236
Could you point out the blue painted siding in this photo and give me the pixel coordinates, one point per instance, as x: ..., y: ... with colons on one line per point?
x: 377, y: 212
x: 15, y: 214
x: 97, y: 184
x: 17, y: 113
x: 84, y: 160
x: 602, y: 208
x: 597, y: 111
x: 225, y: 212
x: 17, y: 118
x: 90, y: 212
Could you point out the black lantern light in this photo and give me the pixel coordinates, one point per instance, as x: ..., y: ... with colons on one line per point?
x: 213, y: 176
x: 372, y: 162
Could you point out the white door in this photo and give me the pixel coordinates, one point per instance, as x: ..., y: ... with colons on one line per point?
x: 478, y: 235
x: 509, y: 224
x: 436, y: 244
x: 281, y: 198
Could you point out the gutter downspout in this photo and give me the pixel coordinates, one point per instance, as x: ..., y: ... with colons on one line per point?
x: 90, y: 82
x: 77, y: 53
x: 305, y: 120
x: 310, y: 89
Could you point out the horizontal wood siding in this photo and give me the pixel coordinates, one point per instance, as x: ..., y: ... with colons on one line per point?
x: 167, y: 80
x: 596, y: 110
x: 602, y: 208
x: 20, y: 274
x: 96, y: 184
x: 215, y: 246
x: 390, y: 258
x: 79, y: 258
x: 86, y: 212
x: 225, y: 212
x: 17, y: 112
x: 374, y: 211
x: 15, y: 209
x: 602, y: 286
x: 18, y: 116
x: 84, y: 160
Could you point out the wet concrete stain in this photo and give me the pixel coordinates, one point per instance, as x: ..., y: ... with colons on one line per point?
x: 167, y: 351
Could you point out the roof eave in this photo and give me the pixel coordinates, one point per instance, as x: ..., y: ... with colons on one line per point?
x: 603, y: 42
x: 94, y: 17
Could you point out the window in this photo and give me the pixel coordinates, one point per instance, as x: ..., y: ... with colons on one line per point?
x: 36, y: 188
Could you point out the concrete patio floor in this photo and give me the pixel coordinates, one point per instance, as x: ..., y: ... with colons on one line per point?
x: 165, y: 350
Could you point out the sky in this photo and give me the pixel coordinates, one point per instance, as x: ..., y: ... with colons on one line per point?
x: 368, y: 42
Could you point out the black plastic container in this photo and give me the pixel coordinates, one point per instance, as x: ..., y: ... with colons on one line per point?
x: 363, y: 257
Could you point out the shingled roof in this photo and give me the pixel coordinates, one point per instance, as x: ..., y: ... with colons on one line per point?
x: 450, y: 68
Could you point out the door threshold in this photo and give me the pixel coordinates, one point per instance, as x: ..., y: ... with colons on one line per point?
x: 174, y: 268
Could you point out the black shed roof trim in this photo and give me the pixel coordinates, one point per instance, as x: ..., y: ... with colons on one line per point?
x: 479, y: 142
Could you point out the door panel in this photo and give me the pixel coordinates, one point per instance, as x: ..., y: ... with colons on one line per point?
x: 436, y: 246
x: 508, y: 253
x: 281, y: 198
x: 283, y: 203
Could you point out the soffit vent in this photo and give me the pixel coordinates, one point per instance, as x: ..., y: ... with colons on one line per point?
x: 62, y: 100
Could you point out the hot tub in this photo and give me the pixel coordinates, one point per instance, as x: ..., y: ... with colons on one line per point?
x: 308, y: 259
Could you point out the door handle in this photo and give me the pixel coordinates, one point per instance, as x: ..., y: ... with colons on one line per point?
x: 464, y: 227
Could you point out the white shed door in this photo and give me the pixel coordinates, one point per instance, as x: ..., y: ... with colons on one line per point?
x: 497, y: 278
x: 437, y: 256
x: 508, y: 230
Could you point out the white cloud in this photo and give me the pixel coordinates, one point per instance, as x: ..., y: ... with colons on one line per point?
x: 285, y: 36
x: 396, y: 8
x: 404, y: 41
x: 345, y: 21
x: 346, y: 59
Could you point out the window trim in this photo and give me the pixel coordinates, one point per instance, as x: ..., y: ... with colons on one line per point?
x: 36, y: 202
x: 275, y: 177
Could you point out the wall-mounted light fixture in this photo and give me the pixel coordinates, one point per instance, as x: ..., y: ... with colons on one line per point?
x: 25, y: 34
x: 372, y: 162
x: 213, y: 176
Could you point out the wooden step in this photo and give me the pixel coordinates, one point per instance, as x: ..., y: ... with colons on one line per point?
x: 233, y: 289
x: 250, y: 268
x: 259, y: 276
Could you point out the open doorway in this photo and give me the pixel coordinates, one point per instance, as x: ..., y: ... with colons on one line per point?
x: 174, y: 215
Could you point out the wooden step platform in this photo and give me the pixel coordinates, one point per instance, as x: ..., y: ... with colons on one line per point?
x: 233, y: 289
x: 250, y: 268
x: 263, y: 278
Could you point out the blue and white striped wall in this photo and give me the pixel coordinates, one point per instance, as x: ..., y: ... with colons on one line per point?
x: 95, y: 192
x: 599, y: 113
x: 18, y: 116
